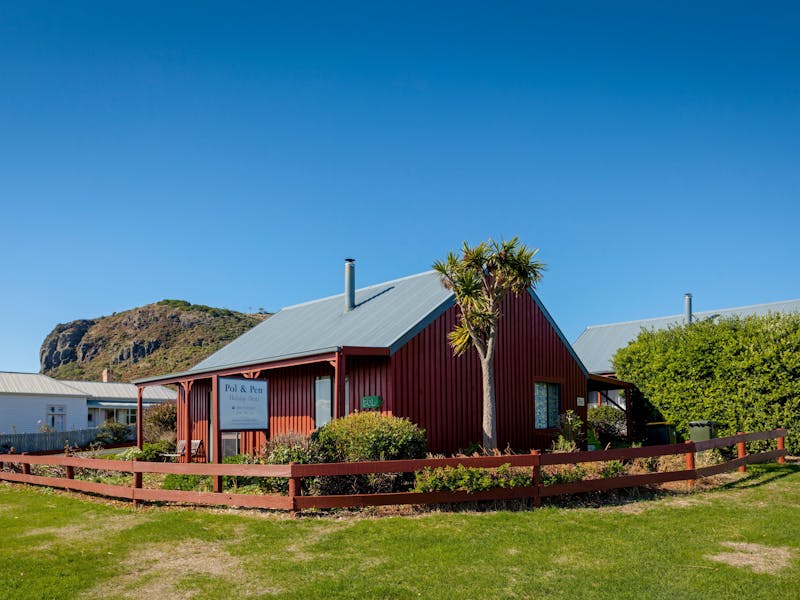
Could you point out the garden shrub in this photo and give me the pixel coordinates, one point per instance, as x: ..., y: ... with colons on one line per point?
x: 282, y: 450
x: 743, y: 372
x: 367, y: 436
x: 187, y: 483
x: 562, y: 474
x: 150, y: 452
x: 160, y: 422
x: 111, y: 432
x: 470, y: 479
x: 608, y: 423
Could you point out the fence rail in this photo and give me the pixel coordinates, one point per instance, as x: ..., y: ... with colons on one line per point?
x: 47, y: 441
x: 295, y: 473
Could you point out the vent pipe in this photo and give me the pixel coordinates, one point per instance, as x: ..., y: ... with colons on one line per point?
x: 349, y: 284
x: 687, y: 308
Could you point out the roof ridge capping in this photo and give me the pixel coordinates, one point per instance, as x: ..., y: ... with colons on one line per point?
x: 368, y: 287
x: 697, y: 312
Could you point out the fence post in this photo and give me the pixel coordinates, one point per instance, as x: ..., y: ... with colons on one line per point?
x: 26, y: 467
x: 295, y: 489
x: 536, y: 479
x: 137, y: 482
x: 741, y: 452
x: 690, y: 464
x: 781, y: 446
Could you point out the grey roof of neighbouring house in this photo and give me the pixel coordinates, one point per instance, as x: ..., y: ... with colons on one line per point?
x: 112, y: 390
x: 35, y: 384
x: 597, y: 344
x: 386, y: 315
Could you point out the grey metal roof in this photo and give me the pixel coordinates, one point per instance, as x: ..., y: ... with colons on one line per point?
x: 597, y: 344
x: 99, y: 390
x: 42, y: 385
x: 34, y: 383
x: 386, y: 315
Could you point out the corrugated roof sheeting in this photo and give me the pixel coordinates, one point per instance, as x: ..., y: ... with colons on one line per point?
x: 37, y: 384
x: 123, y: 391
x: 34, y: 383
x: 384, y: 314
x: 597, y: 344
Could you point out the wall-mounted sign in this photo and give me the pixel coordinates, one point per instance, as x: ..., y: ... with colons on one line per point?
x: 243, y: 404
x: 368, y: 402
x: 581, y: 401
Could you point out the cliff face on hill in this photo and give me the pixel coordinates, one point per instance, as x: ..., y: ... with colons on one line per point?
x: 165, y: 337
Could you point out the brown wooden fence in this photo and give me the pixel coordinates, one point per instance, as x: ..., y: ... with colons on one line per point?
x: 295, y: 473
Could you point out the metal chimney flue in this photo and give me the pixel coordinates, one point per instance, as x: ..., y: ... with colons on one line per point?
x: 349, y: 284
x: 687, y: 308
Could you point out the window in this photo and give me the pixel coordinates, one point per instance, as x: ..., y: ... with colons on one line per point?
x: 56, y: 417
x: 547, y: 408
x: 323, y: 401
x: 231, y: 441
x: 346, y: 395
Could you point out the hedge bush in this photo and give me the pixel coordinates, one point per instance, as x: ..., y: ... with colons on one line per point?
x: 608, y: 423
x: 160, y: 422
x: 366, y: 436
x: 112, y: 432
x: 742, y: 372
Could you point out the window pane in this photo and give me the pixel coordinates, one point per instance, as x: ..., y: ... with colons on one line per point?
x: 554, y: 405
x: 540, y: 406
x: 323, y: 405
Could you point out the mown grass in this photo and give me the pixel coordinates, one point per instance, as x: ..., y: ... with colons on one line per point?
x: 61, y: 546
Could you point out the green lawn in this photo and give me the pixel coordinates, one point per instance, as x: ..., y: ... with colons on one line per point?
x: 64, y: 546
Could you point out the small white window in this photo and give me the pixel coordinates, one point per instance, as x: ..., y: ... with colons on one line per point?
x: 323, y: 401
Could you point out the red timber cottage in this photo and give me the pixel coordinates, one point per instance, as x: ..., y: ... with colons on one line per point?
x: 384, y: 347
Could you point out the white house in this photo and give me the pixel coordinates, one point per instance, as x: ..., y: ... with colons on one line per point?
x: 30, y: 402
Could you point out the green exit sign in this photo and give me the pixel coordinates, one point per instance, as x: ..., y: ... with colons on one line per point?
x: 370, y: 402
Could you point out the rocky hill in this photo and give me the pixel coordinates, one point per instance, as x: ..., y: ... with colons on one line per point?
x: 165, y: 337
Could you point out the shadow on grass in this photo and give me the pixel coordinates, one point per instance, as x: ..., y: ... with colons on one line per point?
x: 762, y: 475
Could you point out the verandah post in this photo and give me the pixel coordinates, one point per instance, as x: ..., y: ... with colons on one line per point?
x: 215, y: 430
x: 690, y: 464
x: 781, y: 446
x: 741, y: 452
x: 536, y: 478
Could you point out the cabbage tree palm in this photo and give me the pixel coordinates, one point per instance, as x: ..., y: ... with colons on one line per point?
x: 480, y: 278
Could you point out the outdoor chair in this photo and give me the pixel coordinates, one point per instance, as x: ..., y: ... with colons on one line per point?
x: 180, y: 450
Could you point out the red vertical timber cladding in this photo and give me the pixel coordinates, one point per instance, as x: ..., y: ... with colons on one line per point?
x: 368, y: 376
x: 443, y: 393
x: 200, y: 398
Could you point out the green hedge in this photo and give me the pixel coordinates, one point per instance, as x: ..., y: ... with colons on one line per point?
x: 369, y: 436
x: 742, y: 372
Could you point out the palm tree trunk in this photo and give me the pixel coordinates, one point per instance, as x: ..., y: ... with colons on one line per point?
x: 489, y: 419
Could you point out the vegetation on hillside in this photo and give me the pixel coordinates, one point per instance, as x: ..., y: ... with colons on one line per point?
x: 164, y: 337
x: 742, y: 372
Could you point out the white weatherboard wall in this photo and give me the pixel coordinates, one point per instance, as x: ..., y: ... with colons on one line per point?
x: 21, y: 413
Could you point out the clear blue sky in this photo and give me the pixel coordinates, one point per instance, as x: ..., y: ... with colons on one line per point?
x: 233, y: 154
